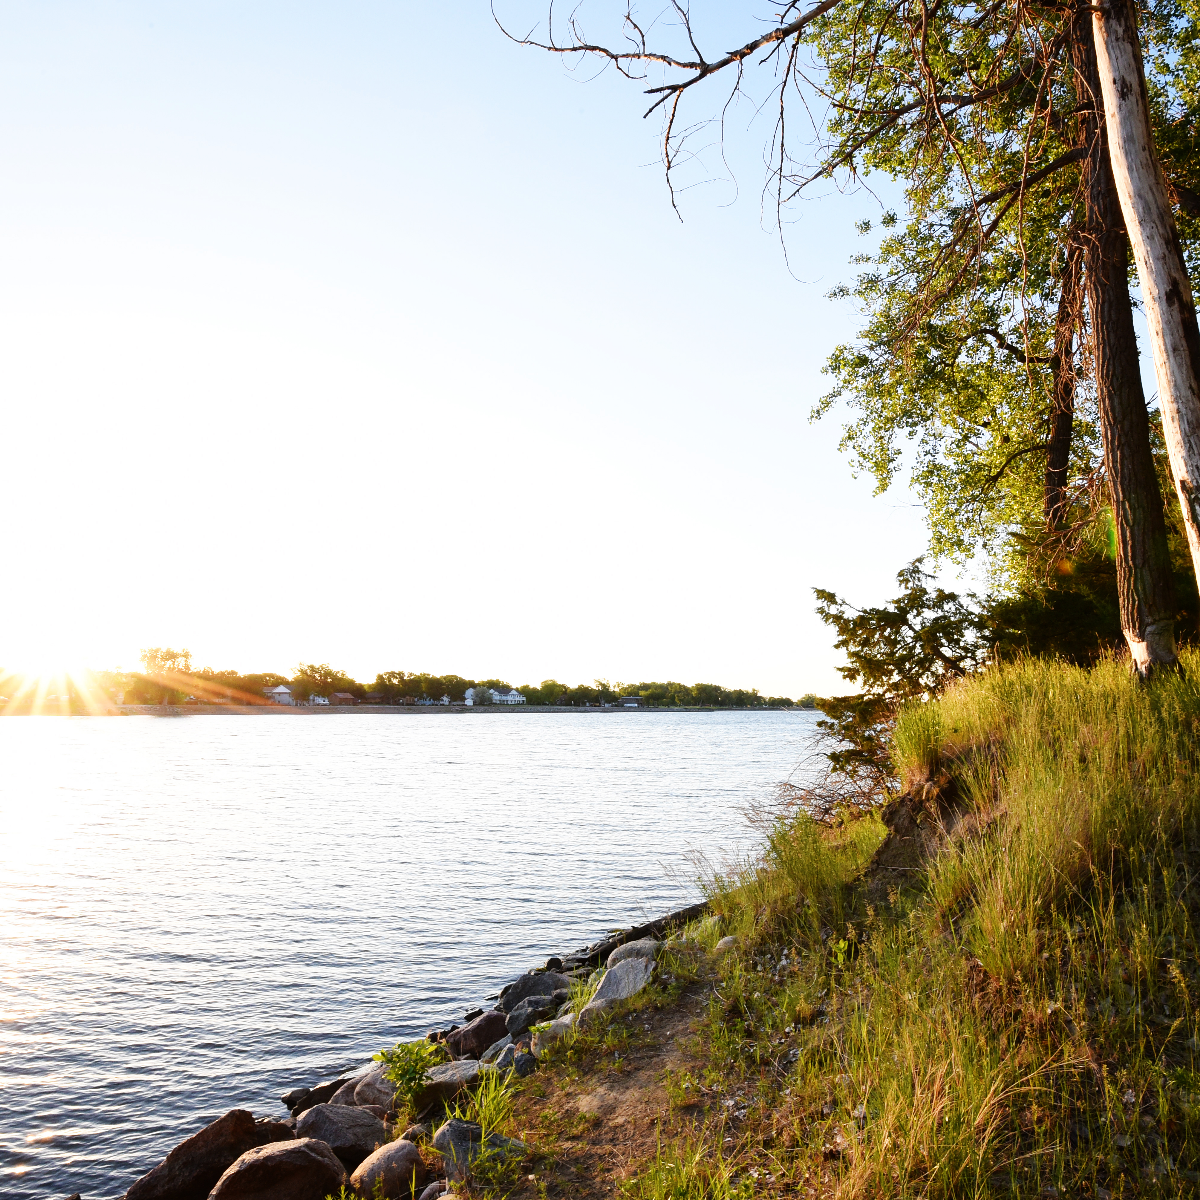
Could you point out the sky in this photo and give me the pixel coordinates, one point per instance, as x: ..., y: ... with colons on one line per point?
x: 359, y: 334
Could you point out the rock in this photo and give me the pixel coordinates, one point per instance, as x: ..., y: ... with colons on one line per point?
x: 372, y: 1088
x: 194, y: 1166
x: 352, y: 1133
x: 320, y: 1094
x: 530, y: 1011
x: 376, y: 1110
x: 726, y: 944
x: 304, y: 1169
x: 444, y: 1082
x: 461, y: 1143
x: 294, y: 1097
x: 493, y: 1051
x: 507, y: 1057
x: 472, y: 1015
x: 554, y: 964
x: 344, y: 1094
x: 545, y: 984
x: 415, y: 1133
x: 434, y: 1190
x: 473, y: 1039
x: 554, y: 1032
x: 621, y: 982
x: 524, y: 1064
x: 393, y: 1172
x: 642, y: 948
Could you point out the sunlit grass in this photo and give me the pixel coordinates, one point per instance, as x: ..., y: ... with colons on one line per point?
x: 1018, y: 1017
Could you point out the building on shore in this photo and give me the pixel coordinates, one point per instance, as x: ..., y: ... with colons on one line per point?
x: 282, y: 694
x: 343, y: 698
x: 482, y: 695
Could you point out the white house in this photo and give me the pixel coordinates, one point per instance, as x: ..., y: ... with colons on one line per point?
x: 280, y: 695
x: 512, y: 696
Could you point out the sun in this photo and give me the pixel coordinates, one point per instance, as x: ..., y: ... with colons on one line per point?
x: 50, y: 687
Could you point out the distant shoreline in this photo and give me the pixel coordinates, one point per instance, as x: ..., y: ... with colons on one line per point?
x: 186, y: 710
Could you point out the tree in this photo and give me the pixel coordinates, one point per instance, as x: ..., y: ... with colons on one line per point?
x: 1162, y: 269
x: 911, y: 647
x: 972, y: 105
x: 320, y: 679
x: 159, y: 660
x: 1144, y: 584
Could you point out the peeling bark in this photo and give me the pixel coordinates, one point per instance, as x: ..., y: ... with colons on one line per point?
x: 1166, y: 291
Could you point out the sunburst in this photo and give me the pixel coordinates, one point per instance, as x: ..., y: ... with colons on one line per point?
x: 53, y: 690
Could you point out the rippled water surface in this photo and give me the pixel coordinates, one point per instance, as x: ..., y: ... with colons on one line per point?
x: 200, y: 913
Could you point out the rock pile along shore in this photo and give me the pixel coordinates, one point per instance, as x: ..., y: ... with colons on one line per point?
x: 343, y: 1131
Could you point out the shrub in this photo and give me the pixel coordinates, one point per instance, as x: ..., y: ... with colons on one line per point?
x: 406, y: 1065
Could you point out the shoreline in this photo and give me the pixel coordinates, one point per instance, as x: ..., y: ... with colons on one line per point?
x: 244, y: 710
x: 214, y: 1154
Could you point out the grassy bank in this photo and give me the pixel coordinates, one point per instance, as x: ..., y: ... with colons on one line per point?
x: 1013, y: 1013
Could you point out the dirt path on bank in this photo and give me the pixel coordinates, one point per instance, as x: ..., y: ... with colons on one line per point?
x: 593, y: 1122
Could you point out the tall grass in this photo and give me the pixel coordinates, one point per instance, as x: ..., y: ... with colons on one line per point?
x: 1019, y: 1015
x: 1092, y: 776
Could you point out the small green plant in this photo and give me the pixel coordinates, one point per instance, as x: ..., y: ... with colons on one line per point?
x: 840, y: 947
x: 490, y: 1104
x: 406, y: 1065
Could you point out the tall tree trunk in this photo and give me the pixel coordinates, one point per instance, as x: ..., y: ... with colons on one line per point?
x: 1166, y: 291
x: 1062, y: 403
x: 1144, y: 583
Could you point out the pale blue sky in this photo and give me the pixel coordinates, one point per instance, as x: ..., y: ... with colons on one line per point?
x: 357, y: 333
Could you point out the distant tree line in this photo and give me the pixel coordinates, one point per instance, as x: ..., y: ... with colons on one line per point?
x: 169, y: 677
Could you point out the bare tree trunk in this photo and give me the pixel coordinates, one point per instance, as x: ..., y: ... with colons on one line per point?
x: 1166, y: 291
x: 1145, y: 587
x: 1062, y: 405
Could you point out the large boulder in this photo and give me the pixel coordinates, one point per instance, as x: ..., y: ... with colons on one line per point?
x: 373, y: 1088
x: 544, y: 984
x: 530, y: 1011
x: 191, y: 1169
x: 304, y: 1169
x: 621, y: 982
x: 444, y: 1082
x: 461, y: 1143
x: 352, y: 1133
x: 473, y: 1039
x: 396, y: 1170
x: 345, y: 1094
x: 642, y: 948
x: 554, y: 1032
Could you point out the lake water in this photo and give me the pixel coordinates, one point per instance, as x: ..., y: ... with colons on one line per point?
x: 199, y: 913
